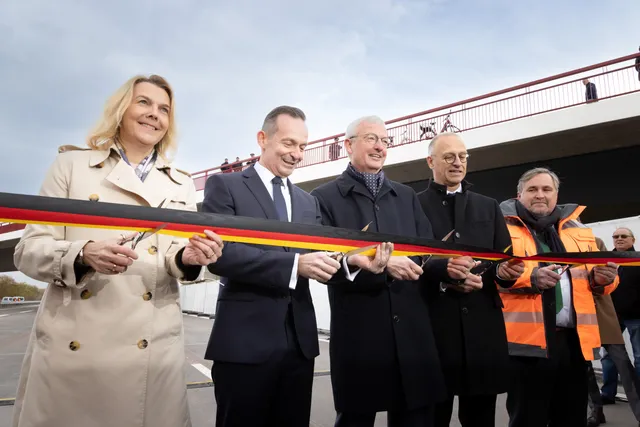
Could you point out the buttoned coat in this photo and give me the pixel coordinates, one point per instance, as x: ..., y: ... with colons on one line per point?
x: 106, y: 350
x: 382, y: 349
x: 469, y: 327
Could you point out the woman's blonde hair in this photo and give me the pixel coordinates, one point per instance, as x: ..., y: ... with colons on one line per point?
x: 104, y: 134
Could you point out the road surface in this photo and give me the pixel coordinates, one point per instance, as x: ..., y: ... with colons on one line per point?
x: 16, y: 323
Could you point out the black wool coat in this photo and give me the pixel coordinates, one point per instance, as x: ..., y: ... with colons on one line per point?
x: 469, y: 328
x: 383, y: 354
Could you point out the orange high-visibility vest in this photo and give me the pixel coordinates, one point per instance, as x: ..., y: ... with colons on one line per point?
x: 523, y: 314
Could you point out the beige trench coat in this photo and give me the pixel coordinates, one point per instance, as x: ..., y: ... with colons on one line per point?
x: 107, y: 351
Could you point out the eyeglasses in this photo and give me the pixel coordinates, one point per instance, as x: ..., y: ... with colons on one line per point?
x: 620, y: 236
x: 451, y: 157
x: 372, y: 139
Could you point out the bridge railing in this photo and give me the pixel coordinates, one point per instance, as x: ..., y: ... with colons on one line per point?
x: 612, y: 78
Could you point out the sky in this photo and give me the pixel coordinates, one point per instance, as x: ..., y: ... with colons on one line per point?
x: 230, y: 63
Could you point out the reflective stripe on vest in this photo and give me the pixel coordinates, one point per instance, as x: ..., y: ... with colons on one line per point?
x: 537, y: 317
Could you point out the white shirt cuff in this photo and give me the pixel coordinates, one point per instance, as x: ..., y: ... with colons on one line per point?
x: 350, y: 276
x: 294, y: 273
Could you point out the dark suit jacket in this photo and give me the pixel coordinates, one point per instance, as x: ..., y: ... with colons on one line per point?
x: 383, y: 354
x: 469, y: 328
x: 255, y: 296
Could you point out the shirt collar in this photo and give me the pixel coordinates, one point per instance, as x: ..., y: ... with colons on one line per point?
x: 266, y: 176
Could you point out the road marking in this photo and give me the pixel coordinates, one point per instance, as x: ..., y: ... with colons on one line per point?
x: 26, y: 311
x: 3, y: 315
x: 203, y: 369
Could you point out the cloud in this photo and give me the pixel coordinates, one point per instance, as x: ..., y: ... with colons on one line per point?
x: 231, y: 62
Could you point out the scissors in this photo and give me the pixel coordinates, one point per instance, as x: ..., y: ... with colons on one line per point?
x: 484, y: 266
x: 148, y: 233
x: 427, y: 258
x: 338, y: 256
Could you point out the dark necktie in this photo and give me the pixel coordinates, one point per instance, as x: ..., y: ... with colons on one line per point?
x: 278, y: 199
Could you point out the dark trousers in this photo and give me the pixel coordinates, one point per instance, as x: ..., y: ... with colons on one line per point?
x: 274, y: 394
x: 550, y: 392
x: 630, y: 381
x: 473, y: 411
x: 422, y: 417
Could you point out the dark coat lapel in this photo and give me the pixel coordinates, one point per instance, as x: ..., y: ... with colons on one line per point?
x: 254, y: 183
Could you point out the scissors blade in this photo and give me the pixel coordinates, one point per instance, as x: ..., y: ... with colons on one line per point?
x: 360, y: 250
x: 444, y: 239
x: 146, y: 234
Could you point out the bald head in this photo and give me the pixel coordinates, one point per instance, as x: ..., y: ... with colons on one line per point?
x: 448, y: 160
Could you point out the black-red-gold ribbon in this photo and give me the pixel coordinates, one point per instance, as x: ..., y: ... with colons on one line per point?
x: 26, y: 209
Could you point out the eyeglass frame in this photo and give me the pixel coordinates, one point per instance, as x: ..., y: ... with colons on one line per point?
x: 377, y: 139
x: 454, y: 157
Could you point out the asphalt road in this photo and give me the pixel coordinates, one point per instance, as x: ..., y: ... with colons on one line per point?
x: 16, y: 323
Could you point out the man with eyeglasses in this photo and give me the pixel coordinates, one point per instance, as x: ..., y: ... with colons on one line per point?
x: 467, y: 320
x: 383, y: 355
x: 626, y: 300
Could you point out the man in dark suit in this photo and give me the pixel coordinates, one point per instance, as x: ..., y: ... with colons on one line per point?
x: 264, y: 339
x: 383, y: 355
x: 468, y: 324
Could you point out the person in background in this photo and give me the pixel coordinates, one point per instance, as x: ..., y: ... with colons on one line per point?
x: 549, y: 313
x: 626, y: 300
x: 468, y: 325
x: 107, y: 343
x: 383, y: 355
x: 614, y: 345
x: 224, y: 167
x: 591, y: 93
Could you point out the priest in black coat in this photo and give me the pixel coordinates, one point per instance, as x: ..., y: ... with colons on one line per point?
x: 468, y: 324
x: 383, y: 355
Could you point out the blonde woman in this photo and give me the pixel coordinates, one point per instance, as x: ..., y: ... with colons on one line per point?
x: 106, y: 347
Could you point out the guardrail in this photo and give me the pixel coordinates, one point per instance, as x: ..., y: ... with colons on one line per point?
x: 553, y: 93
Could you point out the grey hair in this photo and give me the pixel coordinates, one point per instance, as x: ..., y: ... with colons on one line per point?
x: 625, y: 228
x: 534, y: 172
x: 352, y: 129
x: 434, y: 141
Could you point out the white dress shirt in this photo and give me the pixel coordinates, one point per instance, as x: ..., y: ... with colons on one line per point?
x: 565, y: 318
x: 266, y: 176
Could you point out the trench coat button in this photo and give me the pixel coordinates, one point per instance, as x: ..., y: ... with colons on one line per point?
x: 74, y: 345
x: 457, y: 235
x: 153, y: 250
x: 377, y: 207
x: 396, y: 318
x: 444, y: 203
x: 147, y: 296
x: 465, y: 310
x: 142, y: 344
x: 86, y: 294
x: 94, y: 197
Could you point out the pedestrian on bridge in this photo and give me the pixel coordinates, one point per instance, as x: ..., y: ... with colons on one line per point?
x: 107, y: 342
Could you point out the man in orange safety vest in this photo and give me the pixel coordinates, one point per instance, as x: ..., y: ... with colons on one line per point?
x: 549, y: 313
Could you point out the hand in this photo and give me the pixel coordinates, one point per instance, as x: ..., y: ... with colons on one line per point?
x: 203, y: 251
x: 374, y: 263
x: 511, y: 270
x: 546, y: 277
x: 473, y: 282
x: 318, y: 266
x: 605, y: 275
x: 459, y: 268
x: 109, y: 256
x: 403, y: 268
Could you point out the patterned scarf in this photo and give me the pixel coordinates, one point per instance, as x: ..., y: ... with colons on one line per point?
x: 373, y: 181
x: 144, y: 167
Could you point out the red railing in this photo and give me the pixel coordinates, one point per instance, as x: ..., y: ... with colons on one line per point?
x: 529, y: 99
x: 557, y: 92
